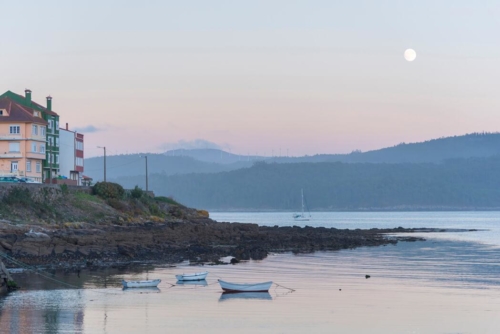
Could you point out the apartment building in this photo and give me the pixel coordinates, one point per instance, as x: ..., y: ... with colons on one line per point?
x: 50, y: 165
x: 22, y: 140
x: 71, y: 155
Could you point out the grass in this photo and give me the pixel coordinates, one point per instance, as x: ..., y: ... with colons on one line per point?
x: 167, y: 200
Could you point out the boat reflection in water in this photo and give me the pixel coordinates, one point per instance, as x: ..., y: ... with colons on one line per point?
x: 198, y: 283
x: 152, y: 289
x: 245, y: 295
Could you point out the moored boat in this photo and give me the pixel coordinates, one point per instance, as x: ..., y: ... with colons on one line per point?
x: 245, y: 287
x: 141, y: 284
x: 192, y: 277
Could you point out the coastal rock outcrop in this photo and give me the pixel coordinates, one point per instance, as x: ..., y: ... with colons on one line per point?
x: 197, y: 239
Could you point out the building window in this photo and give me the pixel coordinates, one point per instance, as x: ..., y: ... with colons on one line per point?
x: 57, y: 141
x: 15, y: 129
x: 35, y: 129
x: 79, y: 161
x: 38, y: 167
x: 57, y: 125
x: 28, y: 166
x: 42, y: 130
x: 57, y: 158
x: 13, y: 166
x: 33, y: 147
x: 50, y: 124
x: 14, y: 147
x: 36, y: 113
x: 42, y: 148
x: 79, y: 145
x: 51, y: 142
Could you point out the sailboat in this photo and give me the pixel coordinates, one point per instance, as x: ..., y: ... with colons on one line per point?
x: 301, y: 216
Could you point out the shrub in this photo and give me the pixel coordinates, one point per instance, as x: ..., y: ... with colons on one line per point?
x: 117, y: 204
x: 64, y: 188
x: 108, y: 190
x: 18, y: 195
x: 203, y: 213
x: 136, y: 192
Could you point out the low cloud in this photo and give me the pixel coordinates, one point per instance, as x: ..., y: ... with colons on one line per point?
x: 88, y: 129
x: 193, y: 144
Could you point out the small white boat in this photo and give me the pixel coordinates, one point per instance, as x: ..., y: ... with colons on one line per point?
x: 141, y: 284
x: 192, y: 277
x: 245, y: 287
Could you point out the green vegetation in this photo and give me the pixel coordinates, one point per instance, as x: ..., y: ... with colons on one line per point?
x: 136, y: 192
x: 108, y: 190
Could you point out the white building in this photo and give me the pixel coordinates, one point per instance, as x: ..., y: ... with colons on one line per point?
x: 71, y: 155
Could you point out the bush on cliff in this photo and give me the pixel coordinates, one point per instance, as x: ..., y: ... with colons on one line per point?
x: 136, y: 192
x: 108, y: 190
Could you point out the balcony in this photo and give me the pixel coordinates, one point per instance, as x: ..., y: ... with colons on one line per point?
x: 11, y: 136
x: 11, y: 155
x: 35, y: 155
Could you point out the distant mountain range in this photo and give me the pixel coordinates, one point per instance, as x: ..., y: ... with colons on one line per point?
x: 215, y: 161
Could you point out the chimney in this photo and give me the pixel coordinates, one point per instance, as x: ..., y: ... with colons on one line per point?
x: 49, y: 103
x: 27, y: 94
x: 66, y: 126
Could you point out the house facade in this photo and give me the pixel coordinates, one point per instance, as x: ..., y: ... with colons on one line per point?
x: 50, y: 165
x: 71, y: 155
x: 22, y: 140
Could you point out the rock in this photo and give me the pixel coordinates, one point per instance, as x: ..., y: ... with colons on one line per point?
x: 6, y: 245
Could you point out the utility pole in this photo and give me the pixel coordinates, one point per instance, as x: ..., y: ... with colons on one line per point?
x: 104, y: 147
x: 147, y: 188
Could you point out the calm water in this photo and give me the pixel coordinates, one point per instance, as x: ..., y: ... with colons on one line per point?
x: 447, y: 284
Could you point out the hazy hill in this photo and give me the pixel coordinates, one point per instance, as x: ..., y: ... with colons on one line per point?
x: 435, y: 151
x: 456, y: 184
x: 214, y: 161
x: 213, y: 155
x: 135, y: 165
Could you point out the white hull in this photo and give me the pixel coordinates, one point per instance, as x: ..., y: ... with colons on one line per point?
x: 141, y: 284
x: 255, y: 287
x: 192, y: 277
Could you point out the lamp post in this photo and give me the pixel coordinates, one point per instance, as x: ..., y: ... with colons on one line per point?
x: 146, y: 173
x: 104, y: 147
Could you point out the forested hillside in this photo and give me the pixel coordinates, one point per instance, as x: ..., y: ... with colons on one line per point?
x: 455, y: 184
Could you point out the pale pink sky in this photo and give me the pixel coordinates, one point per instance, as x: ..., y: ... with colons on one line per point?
x: 311, y: 77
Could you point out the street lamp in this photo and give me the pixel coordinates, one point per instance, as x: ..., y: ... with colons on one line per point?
x: 104, y: 147
x: 146, y: 157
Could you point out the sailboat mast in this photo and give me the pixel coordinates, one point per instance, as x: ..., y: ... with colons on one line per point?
x: 302, y: 193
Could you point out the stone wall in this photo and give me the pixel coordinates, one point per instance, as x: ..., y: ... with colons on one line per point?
x: 41, y: 192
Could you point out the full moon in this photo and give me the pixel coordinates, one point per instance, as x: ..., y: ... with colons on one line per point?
x: 410, y: 55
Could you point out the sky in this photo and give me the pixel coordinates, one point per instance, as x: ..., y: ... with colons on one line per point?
x: 256, y: 77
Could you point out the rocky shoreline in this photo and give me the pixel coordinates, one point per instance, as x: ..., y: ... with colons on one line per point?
x: 197, y: 239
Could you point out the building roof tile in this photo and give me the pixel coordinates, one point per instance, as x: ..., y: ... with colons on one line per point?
x: 18, y: 113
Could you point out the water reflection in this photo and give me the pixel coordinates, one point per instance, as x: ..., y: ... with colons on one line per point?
x: 196, y: 283
x: 151, y: 289
x: 225, y: 296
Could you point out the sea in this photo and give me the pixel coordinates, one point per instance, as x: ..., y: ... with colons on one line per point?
x: 449, y: 283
